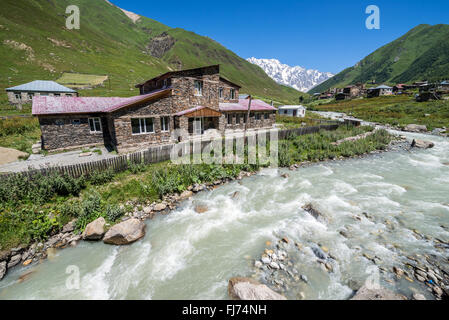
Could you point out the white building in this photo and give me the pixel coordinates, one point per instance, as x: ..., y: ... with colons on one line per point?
x: 292, y: 111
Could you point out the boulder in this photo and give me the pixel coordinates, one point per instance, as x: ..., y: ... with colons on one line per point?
x: 2, y: 269
x: 125, y: 232
x: 185, y: 195
x: 422, y: 144
x: 14, y: 260
x: 94, y: 230
x: 160, y: 207
x: 4, y: 255
x: 366, y: 293
x: 415, y: 128
x: 314, y: 212
x: 201, y: 208
x: 69, y: 227
x: 250, y: 289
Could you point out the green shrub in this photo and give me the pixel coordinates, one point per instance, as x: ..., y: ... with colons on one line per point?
x: 90, y: 210
x: 114, y: 212
x: 101, y: 177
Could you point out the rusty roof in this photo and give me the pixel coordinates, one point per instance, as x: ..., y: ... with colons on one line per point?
x: 71, y: 105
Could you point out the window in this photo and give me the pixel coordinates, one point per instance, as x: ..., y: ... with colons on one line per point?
x: 267, y: 116
x: 198, y: 88
x: 95, y: 124
x: 30, y: 96
x: 76, y: 122
x: 229, y: 117
x: 68, y: 94
x: 59, y: 122
x: 257, y: 116
x: 220, y: 93
x: 165, y: 83
x: 165, y: 124
x: 18, y: 96
x: 244, y: 118
x: 142, y: 125
x: 57, y: 94
x: 232, y: 94
x: 237, y: 119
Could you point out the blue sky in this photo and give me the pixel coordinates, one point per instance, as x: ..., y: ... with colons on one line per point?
x: 327, y: 35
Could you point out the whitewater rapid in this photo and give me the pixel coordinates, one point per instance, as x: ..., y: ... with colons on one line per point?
x: 186, y: 255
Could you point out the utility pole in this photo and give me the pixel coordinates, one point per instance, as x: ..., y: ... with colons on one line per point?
x: 247, y: 115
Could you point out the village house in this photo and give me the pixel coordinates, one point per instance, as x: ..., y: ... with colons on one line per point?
x: 444, y: 86
x: 292, y: 111
x: 24, y: 93
x: 195, y: 100
x: 381, y: 90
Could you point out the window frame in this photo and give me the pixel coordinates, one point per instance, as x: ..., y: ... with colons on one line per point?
x: 165, y: 124
x: 257, y: 116
x: 232, y: 94
x: 198, y: 91
x: 95, y: 125
x: 229, y: 119
x: 77, y: 122
x: 18, y: 96
x: 220, y: 93
x: 266, y: 116
x: 143, y: 125
x: 237, y: 118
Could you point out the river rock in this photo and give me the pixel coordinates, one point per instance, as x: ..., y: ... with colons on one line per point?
x: 250, y: 289
x: 4, y: 255
x: 319, y: 253
x: 2, y: 269
x: 125, y: 232
x: 14, y: 260
x: 418, y: 296
x: 160, y: 207
x: 94, y: 230
x: 415, y: 128
x: 186, y: 194
x: 422, y: 144
x: 314, y: 212
x: 365, y: 293
x: 69, y: 227
x: 201, y: 209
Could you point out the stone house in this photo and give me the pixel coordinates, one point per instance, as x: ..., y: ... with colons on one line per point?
x: 24, y: 93
x: 196, y: 100
x: 382, y: 90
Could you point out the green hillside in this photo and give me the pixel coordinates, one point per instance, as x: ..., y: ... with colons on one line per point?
x: 34, y: 44
x: 422, y: 53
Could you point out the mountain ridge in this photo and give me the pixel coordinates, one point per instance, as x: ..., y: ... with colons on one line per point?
x: 421, y: 53
x: 297, y: 77
x: 34, y: 44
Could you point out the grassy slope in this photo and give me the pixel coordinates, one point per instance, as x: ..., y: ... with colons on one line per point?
x: 108, y: 43
x: 422, y: 53
x: 394, y: 110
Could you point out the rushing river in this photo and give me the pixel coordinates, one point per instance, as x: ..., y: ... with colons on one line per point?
x: 186, y: 255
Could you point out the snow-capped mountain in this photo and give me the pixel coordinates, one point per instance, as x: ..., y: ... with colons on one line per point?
x: 297, y: 77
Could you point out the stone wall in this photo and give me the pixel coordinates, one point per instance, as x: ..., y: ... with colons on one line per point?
x: 126, y: 141
x: 253, y: 123
x: 60, y: 132
x: 26, y: 98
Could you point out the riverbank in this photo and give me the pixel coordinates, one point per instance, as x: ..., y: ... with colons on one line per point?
x: 119, y: 208
x: 191, y: 255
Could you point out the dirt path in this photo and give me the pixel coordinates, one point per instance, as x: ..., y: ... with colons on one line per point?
x: 8, y: 155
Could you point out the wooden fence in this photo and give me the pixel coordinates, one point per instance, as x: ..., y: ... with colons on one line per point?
x: 153, y: 154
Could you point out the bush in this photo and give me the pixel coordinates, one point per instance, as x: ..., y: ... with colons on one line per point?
x: 90, y: 210
x: 114, y: 212
x: 101, y: 177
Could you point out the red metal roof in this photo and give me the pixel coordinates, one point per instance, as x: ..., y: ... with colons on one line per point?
x: 68, y: 105
x: 242, y: 105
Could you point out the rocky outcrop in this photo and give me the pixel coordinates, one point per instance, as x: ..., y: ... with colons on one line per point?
x: 125, y: 232
x: 2, y: 269
x: 250, y: 289
x: 422, y: 144
x: 94, y: 230
x: 415, y: 128
x: 310, y: 208
x: 366, y: 293
x: 161, y: 44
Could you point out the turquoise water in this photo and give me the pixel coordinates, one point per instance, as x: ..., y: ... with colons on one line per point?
x: 186, y: 255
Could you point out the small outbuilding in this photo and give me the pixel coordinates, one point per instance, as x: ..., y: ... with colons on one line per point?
x: 24, y: 93
x: 382, y: 90
x: 292, y: 111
